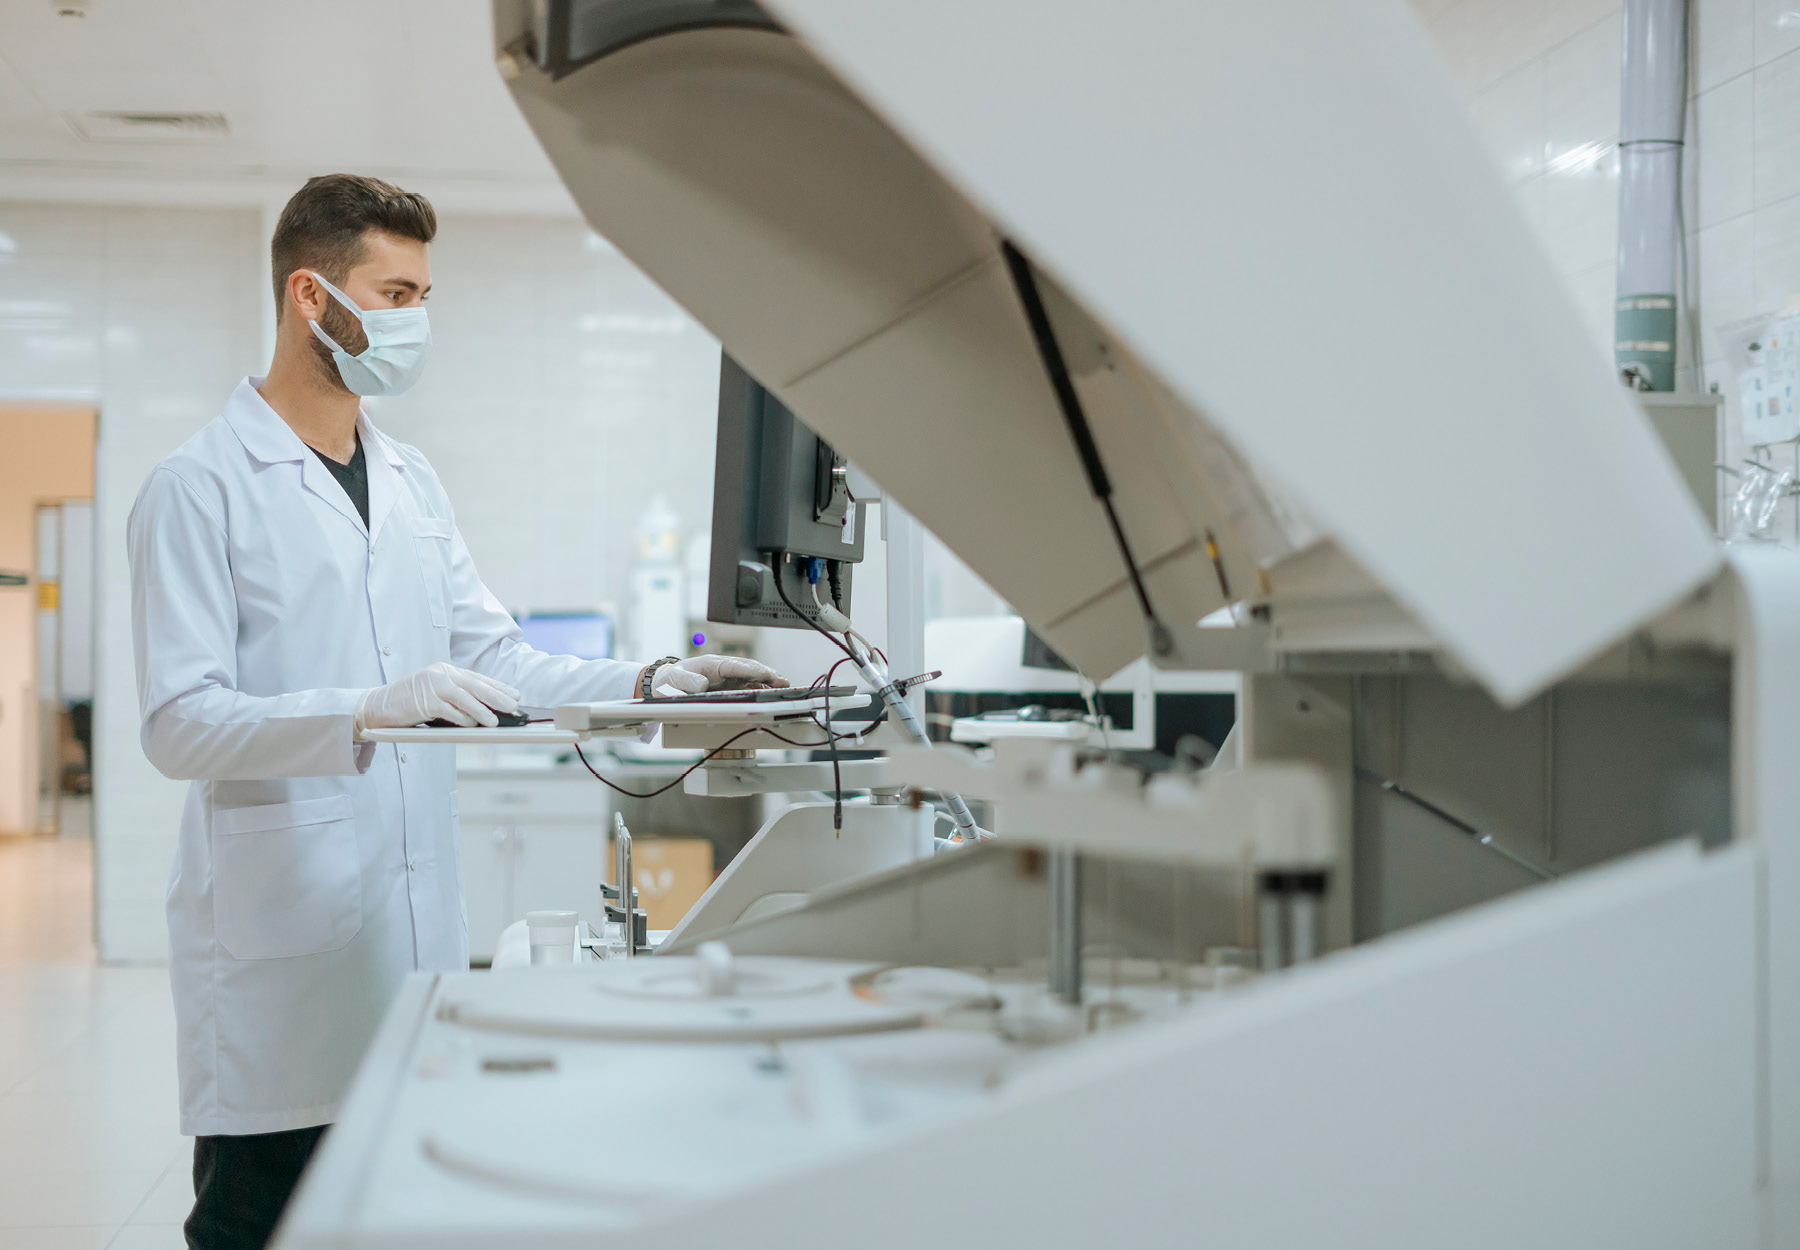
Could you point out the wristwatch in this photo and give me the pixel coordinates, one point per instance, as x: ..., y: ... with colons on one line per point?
x: 647, y: 682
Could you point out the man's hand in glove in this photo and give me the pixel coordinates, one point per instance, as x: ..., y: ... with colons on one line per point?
x: 440, y: 692
x: 700, y: 673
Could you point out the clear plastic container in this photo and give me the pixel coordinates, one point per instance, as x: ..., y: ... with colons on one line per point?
x: 552, y: 936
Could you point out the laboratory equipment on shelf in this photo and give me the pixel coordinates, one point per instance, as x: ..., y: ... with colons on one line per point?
x: 1033, y: 272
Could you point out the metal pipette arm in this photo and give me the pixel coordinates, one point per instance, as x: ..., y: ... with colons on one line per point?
x: 875, y: 673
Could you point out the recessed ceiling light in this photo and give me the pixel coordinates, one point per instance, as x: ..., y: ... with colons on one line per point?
x: 149, y: 126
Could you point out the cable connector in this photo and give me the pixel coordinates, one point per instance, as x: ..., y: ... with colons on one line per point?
x: 830, y: 617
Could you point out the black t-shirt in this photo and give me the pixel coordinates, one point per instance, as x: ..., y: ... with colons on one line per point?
x: 353, y: 477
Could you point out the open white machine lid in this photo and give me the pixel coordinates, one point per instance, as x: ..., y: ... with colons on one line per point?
x: 1269, y: 248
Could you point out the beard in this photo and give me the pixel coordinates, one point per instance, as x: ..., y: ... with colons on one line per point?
x: 347, y: 332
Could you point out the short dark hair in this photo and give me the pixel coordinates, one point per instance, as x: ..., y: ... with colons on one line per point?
x: 324, y: 225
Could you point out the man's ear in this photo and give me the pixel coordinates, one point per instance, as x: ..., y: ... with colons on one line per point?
x: 306, y: 295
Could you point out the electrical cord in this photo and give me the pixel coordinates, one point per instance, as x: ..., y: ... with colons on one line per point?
x: 834, y: 573
x: 781, y: 590
x: 837, y: 779
x: 837, y: 776
x: 851, y: 638
x: 909, y: 724
x: 723, y: 746
x: 885, y: 687
x: 821, y: 685
x: 837, y: 772
x: 830, y: 743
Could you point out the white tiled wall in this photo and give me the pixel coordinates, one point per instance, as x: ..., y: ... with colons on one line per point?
x: 563, y: 389
x: 1543, y: 81
x: 1543, y: 77
x: 564, y: 392
x: 147, y: 313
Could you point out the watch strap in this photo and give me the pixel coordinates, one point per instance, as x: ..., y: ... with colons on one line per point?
x: 647, y: 682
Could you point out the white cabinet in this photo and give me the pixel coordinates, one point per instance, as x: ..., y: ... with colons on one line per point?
x: 529, y: 840
x: 486, y: 850
x: 558, y: 866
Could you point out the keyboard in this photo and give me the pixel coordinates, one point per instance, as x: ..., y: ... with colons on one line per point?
x: 781, y: 694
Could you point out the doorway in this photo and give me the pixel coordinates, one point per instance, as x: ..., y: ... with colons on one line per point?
x: 47, y: 595
x: 65, y: 667
x: 46, y: 619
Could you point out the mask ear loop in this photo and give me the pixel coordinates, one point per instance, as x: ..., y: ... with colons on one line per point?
x: 327, y: 339
x: 341, y: 298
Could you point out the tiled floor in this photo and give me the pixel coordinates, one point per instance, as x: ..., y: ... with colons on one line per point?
x: 89, y: 1152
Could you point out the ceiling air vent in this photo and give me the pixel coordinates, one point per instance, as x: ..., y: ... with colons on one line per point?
x: 106, y: 126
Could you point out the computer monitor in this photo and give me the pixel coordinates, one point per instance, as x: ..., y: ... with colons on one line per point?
x: 584, y: 635
x: 780, y: 495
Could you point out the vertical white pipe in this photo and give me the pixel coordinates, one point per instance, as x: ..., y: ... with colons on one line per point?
x: 905, y: 596
x: 1653, y: 104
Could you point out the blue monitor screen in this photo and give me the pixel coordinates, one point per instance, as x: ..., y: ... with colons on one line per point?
x: 585, y: 635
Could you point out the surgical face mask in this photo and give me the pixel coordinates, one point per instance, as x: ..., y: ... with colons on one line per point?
x: 399, y: 342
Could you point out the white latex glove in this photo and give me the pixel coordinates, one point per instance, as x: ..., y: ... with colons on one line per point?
x: 440, y: 692
x: 700, y: 673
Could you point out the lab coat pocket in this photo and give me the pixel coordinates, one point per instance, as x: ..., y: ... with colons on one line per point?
x: 287, y: 878
x: 431, y: 538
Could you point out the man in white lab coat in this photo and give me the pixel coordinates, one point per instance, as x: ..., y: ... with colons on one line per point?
x: 297, y: 579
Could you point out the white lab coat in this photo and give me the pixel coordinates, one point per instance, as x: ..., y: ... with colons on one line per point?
x: 313, y: 873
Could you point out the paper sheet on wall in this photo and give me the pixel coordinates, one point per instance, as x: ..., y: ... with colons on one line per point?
x: 1763, y: 356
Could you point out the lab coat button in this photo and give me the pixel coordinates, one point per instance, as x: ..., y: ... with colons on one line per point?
x: 411, y: 866
x: 387, y: 651
x: 403, y: 757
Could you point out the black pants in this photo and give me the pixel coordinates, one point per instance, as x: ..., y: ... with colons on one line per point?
x: 242, y: 1184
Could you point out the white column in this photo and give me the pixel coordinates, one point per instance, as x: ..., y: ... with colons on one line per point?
x: 905, y: 539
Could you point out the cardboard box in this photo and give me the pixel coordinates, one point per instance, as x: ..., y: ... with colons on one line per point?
x: 672, y: 874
